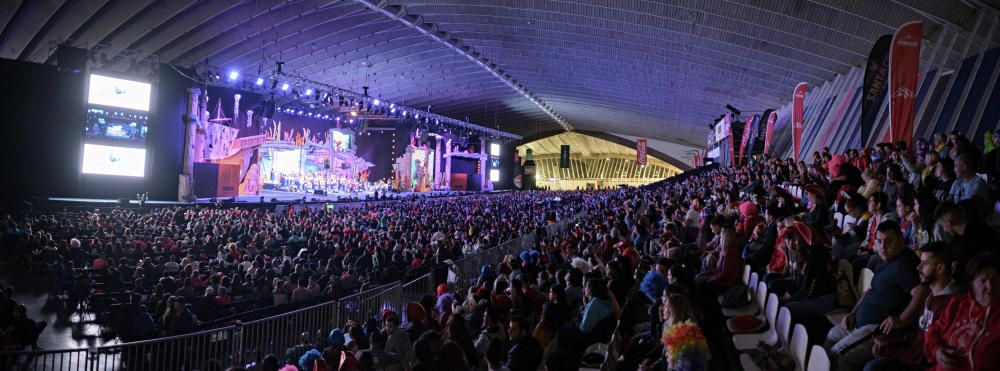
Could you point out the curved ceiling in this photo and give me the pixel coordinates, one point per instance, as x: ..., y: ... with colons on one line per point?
x: 656, y: 69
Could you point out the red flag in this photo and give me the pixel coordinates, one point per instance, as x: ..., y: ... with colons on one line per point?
x: 640, y: 151
x: 798, y: 106
x: 767, y: 134
x: 904, y: 60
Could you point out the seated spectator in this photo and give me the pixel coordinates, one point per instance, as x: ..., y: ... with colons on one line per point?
x: 24, y: 330
x: 967, y: 185
x: 397, y: 345
x: 599, y: 305
x: 903, y: 349
x: 964, y: 335
x: 524, y: 354
x: 893, y: 302
x: 967, y: 231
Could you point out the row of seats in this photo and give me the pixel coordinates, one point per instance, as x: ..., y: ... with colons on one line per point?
x: 779, y: 320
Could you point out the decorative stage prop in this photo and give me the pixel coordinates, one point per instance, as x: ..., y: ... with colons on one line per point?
x: 220, y: 163
x: 420, y: 169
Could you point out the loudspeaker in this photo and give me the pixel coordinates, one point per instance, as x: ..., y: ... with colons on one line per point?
x: 71, y: 59
x: 319, y: 192
x: 267, y: 109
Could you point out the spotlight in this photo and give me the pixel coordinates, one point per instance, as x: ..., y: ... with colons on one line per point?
x: 260, y: 81
x: 375, y: 102
x: 300, y: 113
x: 354, y: 113
x: 416, y: 116
x: 392, y: 106
x: 233, y: 75
x: 284, y: 86
x: 392, y: 110
x: 309, y: 91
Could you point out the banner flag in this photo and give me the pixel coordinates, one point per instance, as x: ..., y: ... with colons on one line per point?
x: 640, y: 151
x: 798, y: 107
x: 904, y: 60
x: 875, y: 83
x: 729, y: 133
x: 564, y: 156
x: 748, y: 129
x: 771, y: 118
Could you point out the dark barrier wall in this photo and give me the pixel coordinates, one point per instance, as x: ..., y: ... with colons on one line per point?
x: 41, y: 130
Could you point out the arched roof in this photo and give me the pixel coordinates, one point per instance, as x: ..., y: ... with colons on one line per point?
x: 594, y: 144
x: 656, y: 69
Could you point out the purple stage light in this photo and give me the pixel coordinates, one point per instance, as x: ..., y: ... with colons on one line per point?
x: 260, y: 81
x: 233, y: 75
x: 284, y: 86
x: 309, y: 91
x: 375, y: 102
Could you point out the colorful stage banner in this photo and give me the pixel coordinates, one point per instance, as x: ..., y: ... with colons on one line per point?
x: 875, y: 83
x: 772, y: 116
x: 640, y: 151
x: 904, y: 61
x: 798, y: 107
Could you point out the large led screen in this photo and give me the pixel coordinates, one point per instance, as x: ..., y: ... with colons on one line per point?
x: 114, y: 92
x: 109, y: 160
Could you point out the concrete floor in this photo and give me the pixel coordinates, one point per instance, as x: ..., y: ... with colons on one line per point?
x: 66, y: 329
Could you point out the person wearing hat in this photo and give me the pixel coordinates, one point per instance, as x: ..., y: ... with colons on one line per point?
x: 818, y: 214
x: 809, y: 295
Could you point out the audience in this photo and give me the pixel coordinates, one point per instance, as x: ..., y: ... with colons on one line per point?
x: 635, y: 275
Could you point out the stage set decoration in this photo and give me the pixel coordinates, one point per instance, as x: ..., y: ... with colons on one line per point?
x: 219, y: 162
x: 420, y: 168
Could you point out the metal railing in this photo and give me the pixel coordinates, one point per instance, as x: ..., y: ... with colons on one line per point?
x: 242, y: 344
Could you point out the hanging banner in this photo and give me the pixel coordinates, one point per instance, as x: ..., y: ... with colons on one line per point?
x: 748, y: 130
x: 875, y: 83
x: 770, y: 116
x: 904, y: 60
x: 564, y: 156
x: 729, y: 133
x: 798, y: 107
x: 640, y: 151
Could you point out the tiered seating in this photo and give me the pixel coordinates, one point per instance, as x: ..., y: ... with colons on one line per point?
x: 779, y: 322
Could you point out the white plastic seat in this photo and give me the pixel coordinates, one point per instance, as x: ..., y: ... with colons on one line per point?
x: 770, y: 337
x: 756, y: 304
x: 839, y: 217
x: 783, y: 324
x: 844, y: 268
x: 818, y: 359
x: 865, y: 280
x: 746, y: 281
x: 798, y: 345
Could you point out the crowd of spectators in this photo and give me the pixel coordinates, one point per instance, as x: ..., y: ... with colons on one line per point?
x: 641, y: 279
x: 168, y: 271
